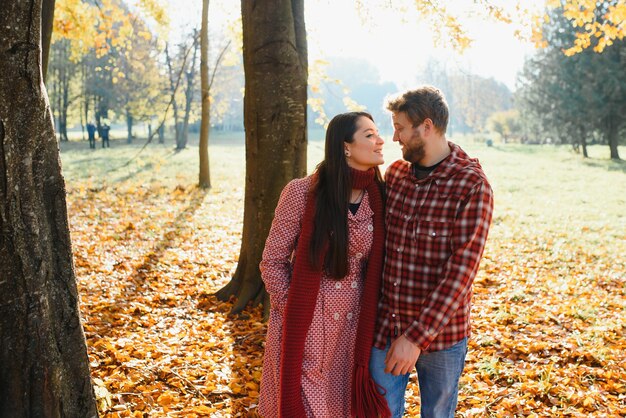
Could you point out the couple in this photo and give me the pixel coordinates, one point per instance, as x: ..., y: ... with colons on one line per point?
x: 370, y: 279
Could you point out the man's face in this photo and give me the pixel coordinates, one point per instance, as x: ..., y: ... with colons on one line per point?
x: 409, y: 137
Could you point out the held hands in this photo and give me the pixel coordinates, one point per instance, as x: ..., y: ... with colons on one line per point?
x: 401, y: 357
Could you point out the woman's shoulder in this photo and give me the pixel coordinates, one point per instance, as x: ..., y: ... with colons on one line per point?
x: 299, y: 185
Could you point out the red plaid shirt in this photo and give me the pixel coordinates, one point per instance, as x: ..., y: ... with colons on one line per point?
x: 436, y: 233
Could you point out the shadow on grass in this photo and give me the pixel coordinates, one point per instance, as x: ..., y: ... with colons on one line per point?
x: 610, y: 165
x: 171, y: 232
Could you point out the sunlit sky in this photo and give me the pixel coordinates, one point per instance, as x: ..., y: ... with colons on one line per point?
x: 396, y: 41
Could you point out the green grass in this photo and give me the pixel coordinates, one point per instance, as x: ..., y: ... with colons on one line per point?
x: 545, y: 191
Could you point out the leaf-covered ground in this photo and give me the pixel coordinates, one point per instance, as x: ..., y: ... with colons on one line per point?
x: 151, y: 249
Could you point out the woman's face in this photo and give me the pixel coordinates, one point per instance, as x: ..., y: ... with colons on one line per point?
x: 366, y: 149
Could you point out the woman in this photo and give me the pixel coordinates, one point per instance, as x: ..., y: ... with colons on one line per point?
x: 322, y: 267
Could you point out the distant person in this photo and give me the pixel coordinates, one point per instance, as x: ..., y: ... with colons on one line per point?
x: 91, y: 133
x: 105, y: 127
x: 322, y: 267
x: 438, y: 212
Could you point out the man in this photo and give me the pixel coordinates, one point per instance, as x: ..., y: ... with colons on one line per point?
x: 439, y: 207
x: 91, y: 132
x: 105, y: 128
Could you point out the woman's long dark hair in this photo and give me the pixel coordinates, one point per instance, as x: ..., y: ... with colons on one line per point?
x: 332, y: 190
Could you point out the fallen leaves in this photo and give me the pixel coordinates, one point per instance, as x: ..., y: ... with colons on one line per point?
x: 548, y: 311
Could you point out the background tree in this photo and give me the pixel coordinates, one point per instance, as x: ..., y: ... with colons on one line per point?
x: 573, y: 97
x: 275, y: 64
x: 506, y: 124
x: 191, y: 86
x: 205, y: 123
x: 45, y: 368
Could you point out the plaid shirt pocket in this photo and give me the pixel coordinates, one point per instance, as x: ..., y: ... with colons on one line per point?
x: 432, y: 239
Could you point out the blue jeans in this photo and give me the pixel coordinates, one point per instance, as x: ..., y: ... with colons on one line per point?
x: 438, y: 374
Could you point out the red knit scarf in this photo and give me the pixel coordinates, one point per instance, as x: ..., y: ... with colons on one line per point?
x: 301, y: 300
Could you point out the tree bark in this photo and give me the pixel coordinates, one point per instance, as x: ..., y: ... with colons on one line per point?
x: 189, y: 91
x: 612, y: 137
x: 205, y: 122
x: 45, y: 369
x: 275, y: 65
x: 47, y: 20
x: 170, y: 72
x: 129, y: 126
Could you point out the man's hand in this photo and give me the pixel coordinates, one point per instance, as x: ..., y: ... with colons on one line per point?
x: 401, y: 357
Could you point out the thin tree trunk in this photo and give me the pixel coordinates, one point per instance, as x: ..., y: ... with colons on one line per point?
x: 205, y: 123
x: 583, y: 141
x: 275, y: 64
x: 85, y: 96
x: 170, y: 72
x: 45, y: 368
x: 189, y: 91
x: 612, y: 137
x: 129, y: 126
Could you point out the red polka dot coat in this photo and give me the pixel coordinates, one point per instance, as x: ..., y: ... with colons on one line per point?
x: 329, y: 347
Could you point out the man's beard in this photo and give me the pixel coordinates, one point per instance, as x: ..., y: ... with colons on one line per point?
x: 414, y: 153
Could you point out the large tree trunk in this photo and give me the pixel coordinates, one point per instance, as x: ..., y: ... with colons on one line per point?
x: 45, y: 371
x: 64, y: 81
x: 47, y: 20
x: 205, y: 122
x: 275, y: 64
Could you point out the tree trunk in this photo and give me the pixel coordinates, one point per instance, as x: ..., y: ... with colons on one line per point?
x: 612, y: 137
x: 47, y: 20
x: 205, y: 122
x: 170, y: 71
x: 275, y: 64
x: 45, y: 369
x: 583, y: 141
x: 189, y: 91
x: 64, y: 80
x: 129, y: 126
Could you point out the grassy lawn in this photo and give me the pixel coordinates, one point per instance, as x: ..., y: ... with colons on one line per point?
x: 151, y: 248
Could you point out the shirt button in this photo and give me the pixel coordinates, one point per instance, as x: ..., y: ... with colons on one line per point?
x: 390, y: 210
x: 349, y: 315
x: 337, y: 285
x: 354, y: 285
x: 358, y: 255
x: 434, y: 234
x: 407, y: 217
x: 393, y: 315
x: 336, y: 316
x: 395, y: 283
x: 370, y: 228
x: 399, y: 249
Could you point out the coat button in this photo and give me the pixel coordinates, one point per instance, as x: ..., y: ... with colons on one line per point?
x: 354, y: 285
x: 370, y: 228
x: 337, y: 285
x: 349, y: 315
x: 358, y: 255
x: 336, y: 316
